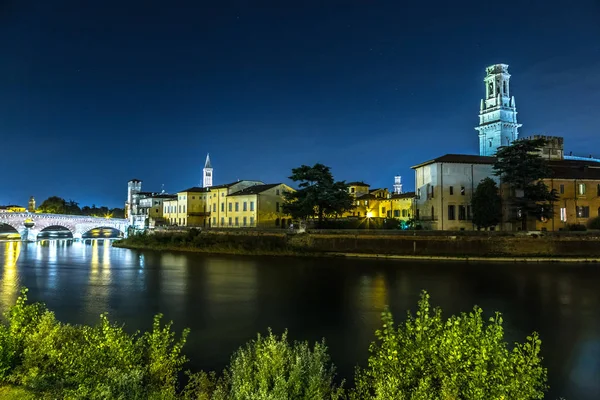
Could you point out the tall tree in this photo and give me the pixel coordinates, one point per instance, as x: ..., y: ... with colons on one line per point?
x: 53, y: 205
x: 521, y: 166
x: 318, y: 194
x: 487, y: 205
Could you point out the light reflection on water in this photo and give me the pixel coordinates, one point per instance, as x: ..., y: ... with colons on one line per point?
x: 227, y: 300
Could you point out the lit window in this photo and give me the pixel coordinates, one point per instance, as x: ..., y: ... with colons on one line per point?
x: 581, y: 189
x: 462, y: 190
x: 563, y: 214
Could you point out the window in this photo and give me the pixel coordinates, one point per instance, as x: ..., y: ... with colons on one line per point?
x: 237, y: 206
x: 462, y: 213
x: 451, y: 190
x: 251, y: 221
x: 432, y: 213
x: 562, y: 189
x: 237, y: 221
x: 277, y: 222
x: 351, y: 190
x: 184, y: 208
x: 214, y: 221
x: 504, y: 87
x: 405, y: 213
x: 382, y: 210
x: 215, y: 207
x: 277, y: 192
x: 222, y: 207
x: 245, y: 208
x: 418, y: 193
x: 230, y: 206
x: 462, y: 190
x: 222, y: 221
x: 277, y: 207
x: 563, y: 214
x: 222, y: 194
x: 193, y: 197
x: 583, y: 211
x: 244, y: 220
x: 251, y: 206
x: 581, y: 189
x: 179, y: 208
x: 230, y: 221
x: 358, y: 214
x: 451, y: 213
x: 396, y: 213
x: 432, y: 191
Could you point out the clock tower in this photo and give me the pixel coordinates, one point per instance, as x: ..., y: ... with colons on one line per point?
x: 497, y: 113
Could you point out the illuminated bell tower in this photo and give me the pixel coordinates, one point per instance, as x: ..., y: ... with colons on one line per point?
x: 397, y: 184
x: 31, y: 207
x: 497, y: 113
x: 207, y: 180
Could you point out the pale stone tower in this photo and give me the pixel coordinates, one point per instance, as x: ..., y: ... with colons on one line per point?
x: 497, y: 113
x: 134, y: 186
x: 207, y: 180
x: 397, y: 184
x: 31, y: 207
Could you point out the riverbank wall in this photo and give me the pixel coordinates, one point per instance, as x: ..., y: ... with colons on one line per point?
x: 382, y: 244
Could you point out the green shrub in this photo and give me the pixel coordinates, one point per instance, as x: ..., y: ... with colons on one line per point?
x: 576, y: 227
x: 594, y: 223
x: 271, y: 368
x: 462, y: 357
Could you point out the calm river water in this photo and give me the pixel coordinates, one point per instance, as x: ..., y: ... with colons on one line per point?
x: 226, y: 300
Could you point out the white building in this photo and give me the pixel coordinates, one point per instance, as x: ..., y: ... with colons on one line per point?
x: 445, y: 187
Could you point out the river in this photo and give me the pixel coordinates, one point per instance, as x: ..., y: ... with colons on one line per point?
x: 226, y: 300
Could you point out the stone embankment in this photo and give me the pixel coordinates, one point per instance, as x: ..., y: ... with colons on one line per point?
x: 441, y: 245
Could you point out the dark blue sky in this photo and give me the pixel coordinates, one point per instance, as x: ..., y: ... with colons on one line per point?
x: 95, y: 93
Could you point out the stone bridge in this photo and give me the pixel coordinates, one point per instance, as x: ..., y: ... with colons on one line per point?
x: 29, y: 225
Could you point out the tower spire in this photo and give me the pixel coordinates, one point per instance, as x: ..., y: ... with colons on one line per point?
x: 207, y: 173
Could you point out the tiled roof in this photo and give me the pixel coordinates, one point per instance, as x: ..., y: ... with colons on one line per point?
x: 254, y: 189
x: 459, y: 159
x: 358, y: 184
x: 226, y: 185
x: 195, y: 189
x: 575, y: 169
x: 407, y: 195
x: 368, y: 197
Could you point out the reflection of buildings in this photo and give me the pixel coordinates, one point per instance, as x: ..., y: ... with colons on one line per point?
x: 10, y: 281
x: 98, y: 287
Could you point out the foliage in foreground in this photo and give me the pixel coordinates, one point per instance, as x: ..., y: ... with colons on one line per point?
x: 424, y: 358
x: 428, y: 357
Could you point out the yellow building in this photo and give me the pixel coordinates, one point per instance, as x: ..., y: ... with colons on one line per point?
x: 12, y: 208
x: 401, y: 206
x: 257, y: 206
x: 219, y: 214
x: 577, y: 185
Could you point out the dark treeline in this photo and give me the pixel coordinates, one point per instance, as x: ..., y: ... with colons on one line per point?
x: 57, y: 205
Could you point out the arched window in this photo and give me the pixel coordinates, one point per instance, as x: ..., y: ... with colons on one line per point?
x: 491, y: 90
x: 490, y: 142
x: 504, y: 87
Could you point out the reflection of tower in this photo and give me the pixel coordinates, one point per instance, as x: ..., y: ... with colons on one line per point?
x: 207, y: 180
x: 397, y: 184
x: 498, y: 113
x: 134, y: 186
x: 31, y: 207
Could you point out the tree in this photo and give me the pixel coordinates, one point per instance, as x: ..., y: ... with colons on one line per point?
x: 72, y: 208
x: 487, y: 205
x: 463, y: 357
x: 53, y: 205
x: 523, y: 169
x: 318, y: 194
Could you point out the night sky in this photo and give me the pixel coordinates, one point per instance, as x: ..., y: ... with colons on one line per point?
x: 94, y: 93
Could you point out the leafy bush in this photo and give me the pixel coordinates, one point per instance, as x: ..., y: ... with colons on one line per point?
x: 594, y: 223
x: 428, y: 357
x: 271, y: 368
x: 577, y: 227
x: 82, y: 362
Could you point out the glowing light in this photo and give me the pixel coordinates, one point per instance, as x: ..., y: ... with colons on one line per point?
x: 370, y: 214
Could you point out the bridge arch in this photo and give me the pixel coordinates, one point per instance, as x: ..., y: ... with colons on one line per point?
x: 9, y: 230
x: 58, y: 232
x: 101, y: 232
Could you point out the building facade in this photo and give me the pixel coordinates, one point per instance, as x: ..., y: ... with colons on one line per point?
x: 445, y: 187
x: 207, y: 173
x: 258, y: 206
